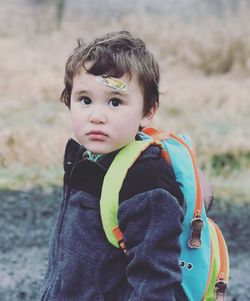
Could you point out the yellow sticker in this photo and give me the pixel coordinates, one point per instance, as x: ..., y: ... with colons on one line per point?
x: 111, y: 82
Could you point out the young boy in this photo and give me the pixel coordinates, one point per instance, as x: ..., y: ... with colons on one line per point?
x: 111, y: 90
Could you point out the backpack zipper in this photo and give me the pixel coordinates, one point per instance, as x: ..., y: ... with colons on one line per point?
x: 197, y: 222
x: 198, y: 198
x: 222, y: 277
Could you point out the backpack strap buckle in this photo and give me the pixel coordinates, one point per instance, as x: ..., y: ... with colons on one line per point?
x: 197, y: 224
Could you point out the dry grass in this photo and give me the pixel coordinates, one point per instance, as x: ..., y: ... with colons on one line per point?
x: 205, y: 90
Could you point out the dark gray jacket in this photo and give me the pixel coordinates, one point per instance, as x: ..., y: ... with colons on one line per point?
x: 84, y: 266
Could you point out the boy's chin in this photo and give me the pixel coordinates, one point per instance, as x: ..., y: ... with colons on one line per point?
x: 100, y: 149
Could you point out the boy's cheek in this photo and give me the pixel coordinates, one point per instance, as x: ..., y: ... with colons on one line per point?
x: 76, y: 122
x: 77, y: 125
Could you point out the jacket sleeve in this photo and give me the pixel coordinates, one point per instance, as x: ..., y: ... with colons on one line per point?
x: 151, y: 226
x: 151, y: 172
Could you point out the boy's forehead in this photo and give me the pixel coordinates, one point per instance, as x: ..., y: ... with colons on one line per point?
x: 121, y: 84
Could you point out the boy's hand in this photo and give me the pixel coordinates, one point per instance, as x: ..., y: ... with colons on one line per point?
x: 206, y: 190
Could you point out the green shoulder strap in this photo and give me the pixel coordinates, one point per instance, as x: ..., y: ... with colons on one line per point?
x: 112, y: 184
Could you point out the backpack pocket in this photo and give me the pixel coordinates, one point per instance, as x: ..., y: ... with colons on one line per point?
x: 81, y: 232
x: 83, y: 200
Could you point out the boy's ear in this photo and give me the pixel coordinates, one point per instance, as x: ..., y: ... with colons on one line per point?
x: 146, y: 119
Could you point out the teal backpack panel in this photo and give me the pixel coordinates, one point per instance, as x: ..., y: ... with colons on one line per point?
x: 194, y: 262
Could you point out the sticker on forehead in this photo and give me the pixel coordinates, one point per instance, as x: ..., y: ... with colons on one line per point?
x: 112, y: 82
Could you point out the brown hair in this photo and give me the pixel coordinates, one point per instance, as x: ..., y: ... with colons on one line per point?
x: 115, y: 54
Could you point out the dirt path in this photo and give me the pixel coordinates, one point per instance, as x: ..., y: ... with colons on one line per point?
x: 25, y: 221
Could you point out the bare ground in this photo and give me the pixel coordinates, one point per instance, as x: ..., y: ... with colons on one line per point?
x: 25, y: 221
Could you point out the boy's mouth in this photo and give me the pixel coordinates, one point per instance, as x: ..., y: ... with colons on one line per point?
x: 97, y: 135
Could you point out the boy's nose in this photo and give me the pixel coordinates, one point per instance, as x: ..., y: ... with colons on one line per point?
x: 97, y: 116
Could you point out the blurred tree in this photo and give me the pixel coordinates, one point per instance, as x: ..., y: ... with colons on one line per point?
x: 52, y: 10
x: 40, y: 2
x: 60, y: 5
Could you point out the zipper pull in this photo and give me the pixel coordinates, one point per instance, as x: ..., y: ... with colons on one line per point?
x: 197, y: 224
x: 220, y: 288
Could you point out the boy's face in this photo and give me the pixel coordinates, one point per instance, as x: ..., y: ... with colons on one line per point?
x: 105, y: 119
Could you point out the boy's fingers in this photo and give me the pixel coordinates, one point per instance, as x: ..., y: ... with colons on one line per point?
x: 206, y: 190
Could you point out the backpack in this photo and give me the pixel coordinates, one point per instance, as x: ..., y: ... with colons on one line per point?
x: 204, y: 257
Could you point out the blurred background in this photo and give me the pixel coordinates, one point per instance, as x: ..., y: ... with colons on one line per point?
x: 203, y: 48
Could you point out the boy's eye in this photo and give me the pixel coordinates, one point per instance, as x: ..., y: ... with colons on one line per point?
x: 115, y: 102
x: 85, y: 100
